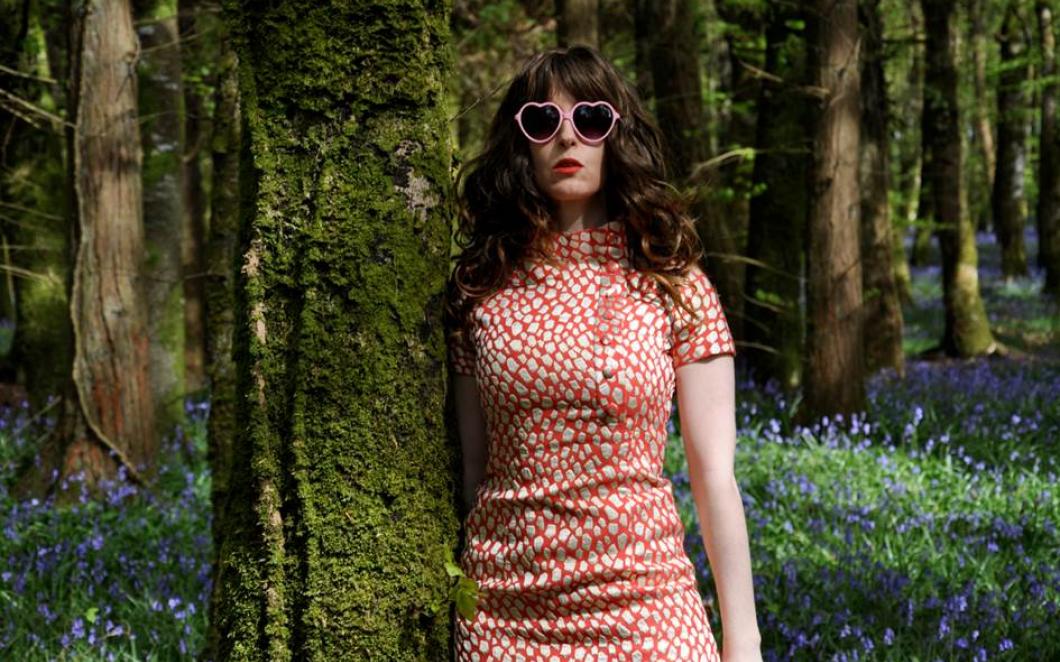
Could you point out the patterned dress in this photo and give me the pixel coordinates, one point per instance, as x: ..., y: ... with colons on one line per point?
x: 574, y: 537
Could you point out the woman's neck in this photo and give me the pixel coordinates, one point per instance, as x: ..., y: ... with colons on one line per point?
x: 573, y: 215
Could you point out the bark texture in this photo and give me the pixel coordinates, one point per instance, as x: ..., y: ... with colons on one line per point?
x: 835, y: 356
x: 220, y: 302
x: 341, y: 506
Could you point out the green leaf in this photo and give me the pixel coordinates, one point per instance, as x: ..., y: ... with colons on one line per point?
x: 465, y: 594
x: 90, y: 614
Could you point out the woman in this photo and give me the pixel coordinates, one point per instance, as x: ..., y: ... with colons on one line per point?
x: 576, y: 309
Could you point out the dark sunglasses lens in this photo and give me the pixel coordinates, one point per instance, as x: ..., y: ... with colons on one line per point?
x: 593, y: 122
x: 540, y: 121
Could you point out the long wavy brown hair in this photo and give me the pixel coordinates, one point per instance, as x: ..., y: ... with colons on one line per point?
x: 504, y: 217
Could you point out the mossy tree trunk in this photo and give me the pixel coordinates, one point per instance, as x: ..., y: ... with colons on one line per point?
x: 773, y: 318
x: 341, y: 514
x: 220, y: 305
x: 883, y: 310
x: 835, y: 355
x: 1049, y: 167
x: 1009, y: 201
x: 967, y: 330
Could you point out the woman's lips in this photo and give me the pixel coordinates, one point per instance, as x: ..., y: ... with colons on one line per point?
x: 567, y: 167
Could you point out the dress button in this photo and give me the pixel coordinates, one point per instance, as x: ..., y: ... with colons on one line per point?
x: 608, y: 374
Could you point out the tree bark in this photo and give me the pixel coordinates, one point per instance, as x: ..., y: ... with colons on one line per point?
x: 1049, y: 167
x: 578, y: 22
x: 835, y: 356
x: 1009, y: 200
x: 967, y: 330
x: 222, y: 252
x: 342, y: 511
x: 107, y: 420
x: 883, y: 311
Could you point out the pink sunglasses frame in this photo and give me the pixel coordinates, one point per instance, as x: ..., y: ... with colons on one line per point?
x: 564, y: 115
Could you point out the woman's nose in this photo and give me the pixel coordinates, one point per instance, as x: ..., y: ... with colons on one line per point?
x: 566, y: 131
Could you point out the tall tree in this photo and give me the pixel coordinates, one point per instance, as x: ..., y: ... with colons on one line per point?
x: 883, y: 310
x: 578, y: 22
x: 193, y: 246
x: 679, y: 110
x: 1009, y: 199
x: 967, y: 330
x: 1049, y: 167
x: 835, y: 356
x: 341, y: 515
x: 107, y: 418
x: 977, y: 26
x: 162, y: 130
x: 910, y: 150
x: 773, y: 318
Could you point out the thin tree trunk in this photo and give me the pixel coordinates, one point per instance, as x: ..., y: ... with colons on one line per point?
x: 578, y: 22
x: 883, y: 311
x: 344, y: 456
x: 679, y: 110
x: 107, y: 420
x: 983, y: 130
x: 162, y: 122
x: 967, y: 330
x: 835, y: 356
x: 1009, y: 200
x: 1049, y: 172
x: 773, y: 321
x: 193, y: 246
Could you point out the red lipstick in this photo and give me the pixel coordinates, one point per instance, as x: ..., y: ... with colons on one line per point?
x: 567, y: 166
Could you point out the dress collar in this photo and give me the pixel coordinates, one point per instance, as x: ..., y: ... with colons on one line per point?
x: 607, y: 241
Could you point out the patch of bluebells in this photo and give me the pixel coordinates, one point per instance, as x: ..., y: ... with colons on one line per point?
x: 106, y: 578
x: 925, y: 527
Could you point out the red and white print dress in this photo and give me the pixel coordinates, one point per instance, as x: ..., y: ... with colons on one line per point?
x: 574, y: 538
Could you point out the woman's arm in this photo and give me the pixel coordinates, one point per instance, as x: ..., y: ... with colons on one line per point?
x: 471, y: 426
x: 706, y: 406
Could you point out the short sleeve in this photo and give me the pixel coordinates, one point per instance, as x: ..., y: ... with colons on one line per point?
x: 461, y: 349
x: 708, y: 333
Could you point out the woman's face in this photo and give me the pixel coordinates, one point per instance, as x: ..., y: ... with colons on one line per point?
x: 567, y: 184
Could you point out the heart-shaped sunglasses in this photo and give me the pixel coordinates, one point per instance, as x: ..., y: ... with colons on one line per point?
x: 592, y: 121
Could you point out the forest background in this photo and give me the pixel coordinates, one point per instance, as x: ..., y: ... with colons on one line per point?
x: 225, y: 230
